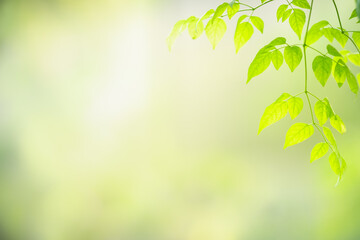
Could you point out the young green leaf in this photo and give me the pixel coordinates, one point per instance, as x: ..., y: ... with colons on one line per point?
x: 327, y: 32
x: 277, y: 59
x: 356, y: 38
x: 232, y: 9
x: 258, y: 23
x: 220, y: 10
x: 272, y: 114
x: 297, y: 21
x: 329, y: 136
x: 322, y: 112
x: 340, y: 72
x: 207, y: 14
x: 322, y: 69
x: 337, y: 164
x: 283, y: 97
x: 341, y: 38
x: 177, y: 29
x: 301, y: 3
x: 298, y: 133
x: 260, y: 63
x: 338, y: 124
x: 351, y: 79
x: 354, y: 58
x: 215, y: 30
x: 315, y: 32
x: 319, y: 151
x: 332, y: 51
x: 286, y: 15
x: 293, y: 56
x: 295, y: 106
x: 243, y: 33
x: 353, y: 14
x: 281, y: 10
x: 277, y: 41
x: 195, y: 28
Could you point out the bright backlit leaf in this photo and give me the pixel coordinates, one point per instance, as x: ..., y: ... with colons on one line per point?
x: 220, y: 10
x: 297, y: 21
x: 315, y: 32
x: 243, y: 33
x: 319, y: 151
x: 272, y: 114
x: 286, y: 15
x: 177, y: 29
x: 277, y: 59
x: 354, y: 58
x: 322, y: 111
x: 215, y: 30
x: 258, y: 23
x: 329, y: 136
x: 337, y: 164
x: 341, y: 38
x: 232, y: 9
x: 340, y: 72
x: 195, y: 28
x: 338, y: 124
x: 280, y: 11
x: 356, y: 38
x: 353, y: 83
x: 322, y: 69
x: 298, y: 133
x: 301, y: 3
x: 295, y: 106
x: 293, y: 56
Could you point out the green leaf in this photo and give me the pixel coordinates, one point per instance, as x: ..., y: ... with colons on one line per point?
x: 283, y: 97
x: 263, y: 58
x: 355, y: 59
x: 195, y: 28
x: 322, y: 69
x: 215, y: 30
x: 332, y: 51
x: 260, y: 63
x: 327, y: 32
x: 207, y: 14
x: 277, y: 59
x: 315, y: 32
x: 286, y: 15
x: 353, y: 14
x: 297, y: 21
x: 301, y: 3
x: 233, y: 9
x: 337, y: 164
x: 356, y: 38
x: 341, y: 38
x: 293, y: 56
x: 351, y: 79
x: 258, y: 23
x: 272, y: 114
x: 323, y: 111
x: 243, y: 33
x: 177, y: 29
x: 220, y: 10
x: 295, y: 106
x: 298, y: 133
x: 330, y: 137
x: 338, y: 124
x: 281, y: 10
x: 340, y: 72
x: 319, y: 151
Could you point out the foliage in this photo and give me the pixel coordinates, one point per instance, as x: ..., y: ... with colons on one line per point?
x: 333, y: 63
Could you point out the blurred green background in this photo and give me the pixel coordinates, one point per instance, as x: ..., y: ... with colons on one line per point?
x: 105, y: 135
